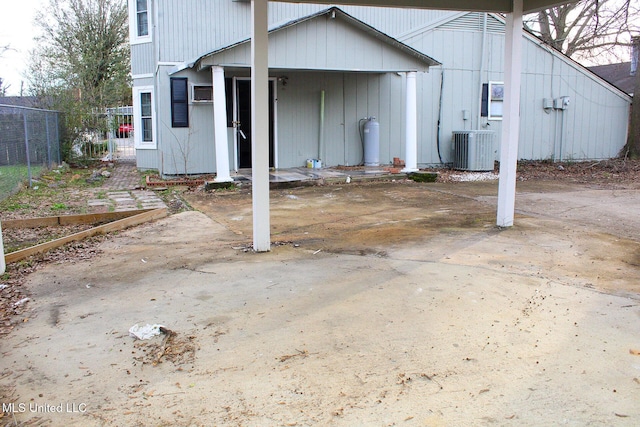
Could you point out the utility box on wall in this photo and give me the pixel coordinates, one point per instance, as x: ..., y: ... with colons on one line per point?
x: 473, y: 150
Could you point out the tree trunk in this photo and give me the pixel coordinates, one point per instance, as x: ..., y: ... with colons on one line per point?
x: 632, y: 148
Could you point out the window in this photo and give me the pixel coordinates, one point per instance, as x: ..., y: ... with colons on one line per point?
x: 147, y: 117
x: 492, y: 100
x: 179, y: 103
x: 139, y: 25
x: 202, y: 93
x: 144, y: 117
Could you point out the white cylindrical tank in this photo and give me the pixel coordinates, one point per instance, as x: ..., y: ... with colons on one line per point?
x: 371, y: 142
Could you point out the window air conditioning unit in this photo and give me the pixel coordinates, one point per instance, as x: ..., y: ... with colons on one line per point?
x: 473, y: 150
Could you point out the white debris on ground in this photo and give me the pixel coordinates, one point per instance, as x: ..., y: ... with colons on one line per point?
x: 145, y: 332
x: 473, y: 176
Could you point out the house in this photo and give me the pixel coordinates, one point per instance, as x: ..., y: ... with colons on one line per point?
x: 333, y: 69
x: 619, y: 74
x: 622, y: 74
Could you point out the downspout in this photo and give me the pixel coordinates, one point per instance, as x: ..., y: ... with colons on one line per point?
x: 482, y: 54
x: 440, y: 115
x: 344, y: 122
x: 321, y: 136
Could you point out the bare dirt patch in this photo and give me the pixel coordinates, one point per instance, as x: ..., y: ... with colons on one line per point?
x: 392, y: 303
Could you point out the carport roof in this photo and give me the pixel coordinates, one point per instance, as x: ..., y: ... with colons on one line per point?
x: 416, y: 59
x: 503, y: 6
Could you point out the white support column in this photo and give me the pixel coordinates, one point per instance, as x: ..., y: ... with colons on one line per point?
x: 411, y: 151
x: 260, y: 125
x: 3, y: 266
x: 511, y: 117
x: 220, y: 125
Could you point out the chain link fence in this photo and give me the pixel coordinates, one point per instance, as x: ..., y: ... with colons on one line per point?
x: 29, y: 144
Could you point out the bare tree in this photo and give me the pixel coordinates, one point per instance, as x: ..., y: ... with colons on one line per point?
x: 3, y: 87
x: 83, y: 47
x: 82, y: 60
x: 588, y: 30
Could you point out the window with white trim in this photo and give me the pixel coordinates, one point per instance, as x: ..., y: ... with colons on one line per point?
x: 139, y: 21
x: 144, y: 118
x: 496, y: 100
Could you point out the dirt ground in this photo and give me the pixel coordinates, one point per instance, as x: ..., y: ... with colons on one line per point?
x: 384, y: 303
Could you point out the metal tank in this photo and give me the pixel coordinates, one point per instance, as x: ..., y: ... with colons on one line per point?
x: 371, y: 142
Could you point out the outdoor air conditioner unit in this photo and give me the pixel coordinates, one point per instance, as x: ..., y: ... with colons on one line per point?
x: 473, y: 150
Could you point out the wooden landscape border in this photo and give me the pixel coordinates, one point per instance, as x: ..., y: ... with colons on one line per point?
x: 49, y: 221
x: 130, y: 219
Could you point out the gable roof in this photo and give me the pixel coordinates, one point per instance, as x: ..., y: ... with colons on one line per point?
x: 496, y: 24
x: 340, y: 42
x: 618, y: 75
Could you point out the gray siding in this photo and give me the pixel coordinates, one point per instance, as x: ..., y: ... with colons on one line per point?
x: 142, y: 61
x: 349, y: 97
x: 188, y: 30
x: 185, y: 150
x: 578, y: 133
x: 147, y: 159
x: 312, y: 45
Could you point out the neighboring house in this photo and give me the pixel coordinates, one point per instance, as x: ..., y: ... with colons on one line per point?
x: 331, y: 68
x: 618, y: 75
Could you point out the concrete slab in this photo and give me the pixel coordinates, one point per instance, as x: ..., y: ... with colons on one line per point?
x: 386, y: 304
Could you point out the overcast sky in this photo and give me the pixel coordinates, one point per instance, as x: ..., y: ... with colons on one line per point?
x: 16, y: 30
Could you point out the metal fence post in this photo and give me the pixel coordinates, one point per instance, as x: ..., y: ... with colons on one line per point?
x: 110, y: 133
x: 46, y: 131
x: 57, y: 129
x: 26, y: 145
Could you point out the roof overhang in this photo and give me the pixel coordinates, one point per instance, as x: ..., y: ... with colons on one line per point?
x: 502, y: 6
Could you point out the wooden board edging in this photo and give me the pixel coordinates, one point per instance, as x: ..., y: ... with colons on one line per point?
x: 49, y: 221
x: 101, y: 229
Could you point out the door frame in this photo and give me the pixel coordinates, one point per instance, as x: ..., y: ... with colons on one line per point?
x: 273, y: 125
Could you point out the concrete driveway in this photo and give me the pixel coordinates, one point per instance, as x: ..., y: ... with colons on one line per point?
x: 380, y: 304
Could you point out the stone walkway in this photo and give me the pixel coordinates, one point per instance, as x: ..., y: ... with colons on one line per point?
x: 125, y: 191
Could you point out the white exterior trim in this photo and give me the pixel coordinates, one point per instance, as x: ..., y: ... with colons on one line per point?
x: 490, y: 113
x: 411, y: 123
x: 133, y: 24
x: 142, y: 76
x: 137, y: 119
x: 220, y: 125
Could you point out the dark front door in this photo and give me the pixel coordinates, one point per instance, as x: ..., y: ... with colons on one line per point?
x: 243, y: 129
